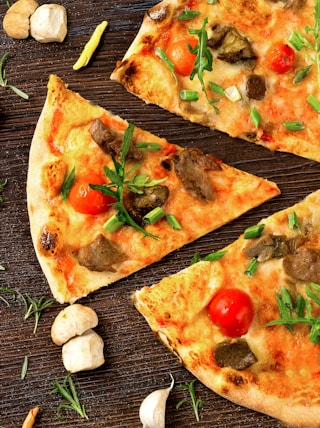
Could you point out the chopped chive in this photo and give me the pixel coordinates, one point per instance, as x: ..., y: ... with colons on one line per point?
x: 301, y: 74
x: 188, y: 14
x: 314, y: 103
x: 254, y: 231
x: 251, y: 269
x: 154, y: 215
x: 294, y: 125
x: 294, y: 221
x: 67, y: 184
x: 216, y: 88
x: 233, y: 94
x: 255, y: 117
x: 296, y: 41
x: 213, y: 257
x: 188, y: 95
x: 149, y: 146
x: 113, y: 224
x: 173, y: 222
x: 24, y: 367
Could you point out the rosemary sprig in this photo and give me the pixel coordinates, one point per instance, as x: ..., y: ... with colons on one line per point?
x: 2, y: 186
x: 299, y: 312
x: 120, y: 179
x: 204, y: 59
x: 195, y: 403
x: 24, y: 368
x: 4, y: 82
x: 300, y: 41
x: 35, y: 307
x: 7, y: 290
x: 68, y: 391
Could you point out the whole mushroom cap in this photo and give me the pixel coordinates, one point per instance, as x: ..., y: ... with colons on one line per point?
x: 72, y: 321
x: 49, y: 23
x: 16, y: 22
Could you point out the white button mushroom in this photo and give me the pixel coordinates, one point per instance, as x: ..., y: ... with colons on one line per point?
x: 72, y: 321
x: 16, y: 22
x: 49, y: 23
x: 83, y: 352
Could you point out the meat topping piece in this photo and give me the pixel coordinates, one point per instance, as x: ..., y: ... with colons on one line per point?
x: 111, y: 141
x: 100, y: 255
x: 303, y: 264
x: 256, y: 87
x: 291, y: 4
x: 191, y: 166
x: 138, y: 205
x: 234, y: 354
x: 232, y: 47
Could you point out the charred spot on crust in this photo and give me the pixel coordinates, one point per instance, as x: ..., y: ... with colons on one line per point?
x: 48, y: 241
x: 236, y: 379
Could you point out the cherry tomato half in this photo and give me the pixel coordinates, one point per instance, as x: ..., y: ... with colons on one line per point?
x: 86, y: 200
x: 183, y: 60
x: 232, y: 310
x: 280, y: 58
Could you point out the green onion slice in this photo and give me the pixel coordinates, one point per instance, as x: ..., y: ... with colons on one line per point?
x: 301, y: 74
x: 254, y: 231
x: 296, y: 41
x: 213, y: 257
x: 67, y: 184
x: 149, y: 146
x: 255, y: 117
x: 188, y: 95
x: 314, y: 103
x: 113, y: 224
x: 173, y: 222
x: 216, y: 88
x: 295, y: 125
x: 251, y: 269
x: 188, y: 14
x: 154, y: 215
x: 294, y: 221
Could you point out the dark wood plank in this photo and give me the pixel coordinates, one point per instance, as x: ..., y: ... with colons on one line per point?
x: 136, y: 363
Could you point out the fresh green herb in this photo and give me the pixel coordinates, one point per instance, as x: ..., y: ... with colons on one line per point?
x: 35, y: 307
x: 8, y: 3
x: 294, y: 221
x: 113, y: 224
x: 2, y: 268
x: 24, y: 367
x: 7, y: 290
x: 154, y: 215
x: 314, y: 103
x: 3, y: 80
x: 212, y: 257
x: 188, y: 14
x: 301, y: 41
x: 2, y: 185
x: 299, y: 312
x: 188, y: 95
x: 161, y: 54
x: 204, y: 59
x: 254, y: 231
x: 151, y: 147
x: 301, y: 74
x: 173, y: 222
x: 212, y: 1
x: 252, y: 267
x: 216, y: 88
x: 120, y: 179
x: 68, y: 391
x: 255, y: 117
x: 67, y: 184
x: 294, y: 126
x: 194, y: 402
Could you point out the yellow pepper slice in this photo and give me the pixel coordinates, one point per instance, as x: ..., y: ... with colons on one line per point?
x: 91, y: 46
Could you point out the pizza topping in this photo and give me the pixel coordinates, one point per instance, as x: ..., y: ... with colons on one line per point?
x: 100, y: 255
x: 256, y: 87
x: 158, y: 12
x: 232, y: 47
x: 84, y: 199
x: 235, y: 354
x: 49, y: 240
x: 232, y: 310
x: 303, y: 265
x: 191, y: 166
x: 140, y: 204
x: 110, y: 141
x: 181, y: 55
x: 280, y: 58
x: 152, y: 410
x: 267, y: 247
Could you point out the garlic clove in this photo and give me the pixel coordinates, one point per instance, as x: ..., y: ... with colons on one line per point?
x: 49, y: 23
x: 153, y: 408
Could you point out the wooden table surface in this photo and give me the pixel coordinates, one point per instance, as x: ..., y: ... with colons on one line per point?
x: 136, y: 363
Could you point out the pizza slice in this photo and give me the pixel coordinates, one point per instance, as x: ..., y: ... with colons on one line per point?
x: 106, y: 199
x: 248, y: 69
x: 247, y: 323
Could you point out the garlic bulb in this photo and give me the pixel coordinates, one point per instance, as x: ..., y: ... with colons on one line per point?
x: 153, y: 408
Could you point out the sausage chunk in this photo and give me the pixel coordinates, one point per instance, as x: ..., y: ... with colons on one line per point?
x: 256, y: 87
x: 100, y: 255
x: 191, y: 166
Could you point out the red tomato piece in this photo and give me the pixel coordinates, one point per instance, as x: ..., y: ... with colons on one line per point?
x: 280, y: 58
x: 179, y: 54
x: 232, y: 310
x: 86, y: 200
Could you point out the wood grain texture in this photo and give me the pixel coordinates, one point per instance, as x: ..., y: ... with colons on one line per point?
x: 136, y: 363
